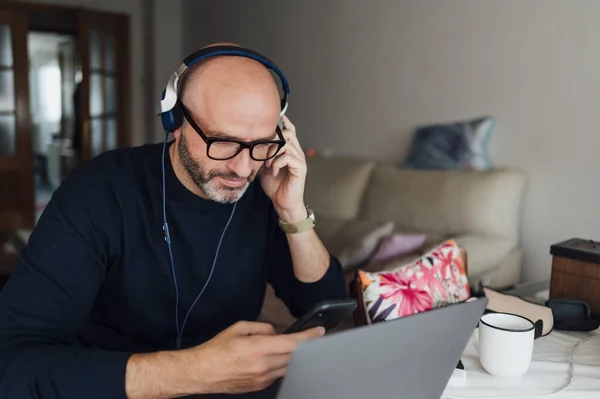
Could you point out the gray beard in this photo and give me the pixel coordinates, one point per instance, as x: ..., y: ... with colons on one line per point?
x: 205, y: 181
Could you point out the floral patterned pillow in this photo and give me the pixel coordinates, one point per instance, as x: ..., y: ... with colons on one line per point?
x: 436, y: 279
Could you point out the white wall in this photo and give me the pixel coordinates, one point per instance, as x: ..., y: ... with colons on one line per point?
x: 168, y: 45
x: 363, y: 74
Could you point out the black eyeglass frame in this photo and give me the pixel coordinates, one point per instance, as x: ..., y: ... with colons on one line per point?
x: 250, y: 146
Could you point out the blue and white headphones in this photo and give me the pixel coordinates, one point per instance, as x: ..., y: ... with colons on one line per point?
x: 170, y: 107
x: 172, y: 117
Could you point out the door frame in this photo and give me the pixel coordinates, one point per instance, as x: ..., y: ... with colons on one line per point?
x: 64, y: 20
x: 88, y: 19
x: 68, y: 20
x: 63, y: 17
x: 22, y: 160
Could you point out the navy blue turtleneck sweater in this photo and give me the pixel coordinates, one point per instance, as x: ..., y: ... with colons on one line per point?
x: 95, y: 285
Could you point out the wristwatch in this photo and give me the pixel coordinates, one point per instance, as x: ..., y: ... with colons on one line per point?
x: 299, y: 227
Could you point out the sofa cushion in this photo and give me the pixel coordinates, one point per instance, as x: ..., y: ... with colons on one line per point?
x: 393, y: 264
x: 335, y: 186
x: 431, y: 240
x: 396, y: 246
x: 352, y: 241
x: 507, y: 273
x: 327, y: 228
x: 484, y: 252
x: 446, y: 202
x: 359, y: 241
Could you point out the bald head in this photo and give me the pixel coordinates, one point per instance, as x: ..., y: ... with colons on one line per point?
x: 229, y: 97
x: 232, y: 93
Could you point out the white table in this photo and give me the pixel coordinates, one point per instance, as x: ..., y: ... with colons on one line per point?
x: 549, y: 371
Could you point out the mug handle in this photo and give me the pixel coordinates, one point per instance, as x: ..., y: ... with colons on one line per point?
x: 539, y: 329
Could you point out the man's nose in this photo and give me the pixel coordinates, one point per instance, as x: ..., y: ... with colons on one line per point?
x: 242, y: 164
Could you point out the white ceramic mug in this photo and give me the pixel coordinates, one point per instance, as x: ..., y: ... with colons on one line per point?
x: 505, y: 344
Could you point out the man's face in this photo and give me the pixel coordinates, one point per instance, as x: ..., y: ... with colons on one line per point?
x: 227, y: 98
x: 223, y: 181
x: 214, y: 179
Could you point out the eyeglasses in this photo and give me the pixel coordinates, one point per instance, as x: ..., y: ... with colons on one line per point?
x: 224, y: 149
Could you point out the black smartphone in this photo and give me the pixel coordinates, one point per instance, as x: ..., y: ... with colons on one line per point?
x: 325, y: 314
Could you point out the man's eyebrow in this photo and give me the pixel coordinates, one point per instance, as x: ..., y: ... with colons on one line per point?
x: 221, y: 135
x: 218, y: 135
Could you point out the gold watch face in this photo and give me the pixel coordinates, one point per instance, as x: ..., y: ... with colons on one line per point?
x: 292, y: 228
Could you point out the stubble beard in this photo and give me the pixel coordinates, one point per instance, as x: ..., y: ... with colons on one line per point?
x: 206, y: 181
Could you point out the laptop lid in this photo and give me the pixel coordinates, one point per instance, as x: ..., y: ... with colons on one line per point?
x: 411, y: 357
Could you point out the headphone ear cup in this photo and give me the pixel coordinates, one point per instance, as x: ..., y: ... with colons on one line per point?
x: 171, y: 120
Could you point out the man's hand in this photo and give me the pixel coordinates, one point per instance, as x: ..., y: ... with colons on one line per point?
x: 244, y: 358
x: 283, y: 177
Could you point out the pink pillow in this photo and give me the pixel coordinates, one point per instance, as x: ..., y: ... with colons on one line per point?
x: 437, y: 278
x: 397, y: 246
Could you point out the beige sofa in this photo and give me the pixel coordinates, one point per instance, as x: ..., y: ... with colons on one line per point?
x: 480, y: 210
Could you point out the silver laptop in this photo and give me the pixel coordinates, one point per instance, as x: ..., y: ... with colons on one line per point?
x: 411, y: 357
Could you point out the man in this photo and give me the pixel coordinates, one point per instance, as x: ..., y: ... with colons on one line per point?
x: 95, y: 308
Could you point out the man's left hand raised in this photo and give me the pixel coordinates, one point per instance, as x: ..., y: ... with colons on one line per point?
x: 283, y: 177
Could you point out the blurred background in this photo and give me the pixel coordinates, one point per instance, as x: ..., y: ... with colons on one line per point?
x: 79, y: 77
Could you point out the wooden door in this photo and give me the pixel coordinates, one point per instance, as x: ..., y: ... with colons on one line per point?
x: 103, y: 45
x: 16, y: 158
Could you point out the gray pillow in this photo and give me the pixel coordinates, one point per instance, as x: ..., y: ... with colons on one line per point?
x: 459, y: 145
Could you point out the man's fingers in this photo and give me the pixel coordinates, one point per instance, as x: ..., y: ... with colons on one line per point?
x: 268, y: 379
x: 277, y: 373
x: 290, y: 135
x: 278, y: 361
x: 311, y: 333
x: 291, y: 149
x: 293, y: 146
x: 253, y: 328
x: 287, y: 124
x: 295, y: 166
x: 287, y: 343
x: 271, y: 152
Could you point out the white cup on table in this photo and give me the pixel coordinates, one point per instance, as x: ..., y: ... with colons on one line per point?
x: 505, y: 344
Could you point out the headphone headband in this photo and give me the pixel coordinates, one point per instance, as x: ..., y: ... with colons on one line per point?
x: 170, y: 110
